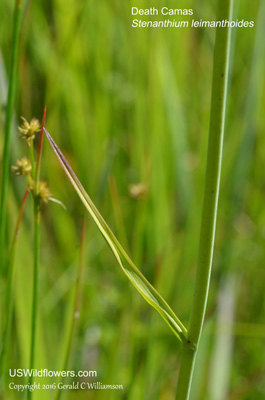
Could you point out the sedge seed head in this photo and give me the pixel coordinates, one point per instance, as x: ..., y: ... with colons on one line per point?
x: 23, y: 167
x: 44, y: 192
x: 28, y: 130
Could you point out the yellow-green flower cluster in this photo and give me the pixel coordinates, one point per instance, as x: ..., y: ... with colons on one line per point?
x: 28, y: 130
x: 44, y: 192
x: 23, y: 167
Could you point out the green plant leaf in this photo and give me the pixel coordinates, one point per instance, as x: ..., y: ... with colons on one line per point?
x: 131, y: 271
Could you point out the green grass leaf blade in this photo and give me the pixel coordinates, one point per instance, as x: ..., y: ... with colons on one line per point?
x: 131, y: 271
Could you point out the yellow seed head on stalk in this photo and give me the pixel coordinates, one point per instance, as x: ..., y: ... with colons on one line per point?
x: 28, y: 130
x: 23, y: 167
x: 44, y: 192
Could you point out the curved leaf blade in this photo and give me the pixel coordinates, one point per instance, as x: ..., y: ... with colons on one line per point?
x: 144, y: 287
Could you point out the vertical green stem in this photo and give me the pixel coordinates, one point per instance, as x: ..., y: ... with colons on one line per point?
x: 76, y: 308
x: 9, y: 290
x: 8, y: 120
x: 32, y: 160
x: 35, y: 285
x: 40, y: 146
x: 37, y: 214
x: 210, y: 202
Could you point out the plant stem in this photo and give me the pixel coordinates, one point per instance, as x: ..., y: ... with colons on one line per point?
x: 9, y: 291
x: 35, y: 284
x: 8, y: 120
x: 32, y: 160
x: 76, y: 308
x: 37, y: 214
x: 40, y: 146
x: 210, y: 202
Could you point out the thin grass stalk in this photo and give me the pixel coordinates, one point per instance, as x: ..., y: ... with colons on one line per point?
x: 37, y: 216
x: 9, y: 291
x: 8, y: 120
x: 32, y: 160
x: 76, y: 308
x: 210, y: 202
x: 35, y: 285
x: 40, y: 146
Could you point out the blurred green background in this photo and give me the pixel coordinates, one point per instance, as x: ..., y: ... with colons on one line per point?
x: 130, y: 110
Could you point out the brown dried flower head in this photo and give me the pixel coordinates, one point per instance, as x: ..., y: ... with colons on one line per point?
x: 23, y: 167
x: 28, y: 130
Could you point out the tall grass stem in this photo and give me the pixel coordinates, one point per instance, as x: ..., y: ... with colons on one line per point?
x: 37, y: 215
x: 40, y: 146
x: 35, y: 285
x: 8, y: 120
x: 9, y: 290
x: 210, y: 202
x: 77, y: 301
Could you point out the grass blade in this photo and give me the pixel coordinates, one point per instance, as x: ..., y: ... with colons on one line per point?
x: 136, y: 277
x: 9, y: 290
x: 8, y: 120
x: 76, y: 308
x: 210, y: 201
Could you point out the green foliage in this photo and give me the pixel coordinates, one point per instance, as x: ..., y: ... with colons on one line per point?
x: 131, y: 271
